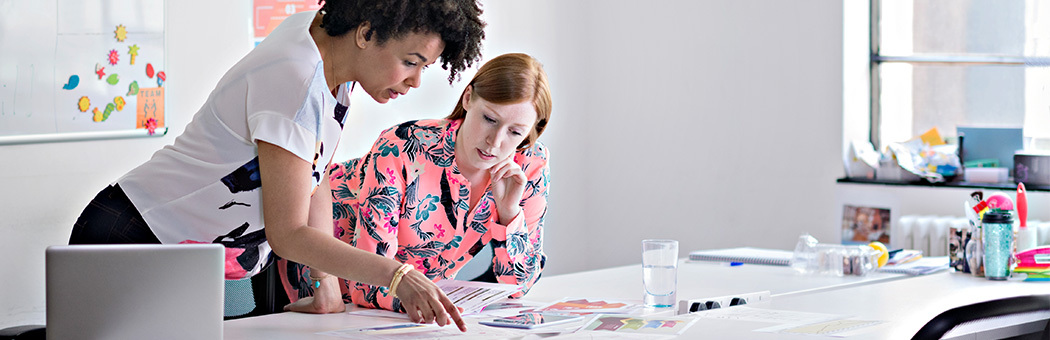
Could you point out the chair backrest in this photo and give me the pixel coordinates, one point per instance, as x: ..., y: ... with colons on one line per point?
x: 1036, y: 306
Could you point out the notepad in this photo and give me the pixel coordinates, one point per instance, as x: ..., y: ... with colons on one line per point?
x: 773, y: 257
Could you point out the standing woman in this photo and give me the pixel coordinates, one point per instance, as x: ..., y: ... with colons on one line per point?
x: 249, y: 172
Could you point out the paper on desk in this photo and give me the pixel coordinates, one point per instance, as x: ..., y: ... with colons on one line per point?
x: 745, y: 313
x: 581, y: 306
x: 635, y: 324
x: 509, y: 307
x: 836, y: 328
x: 469, y: 295
x: 472, y: 296
x: 922, y: 266
x: 412, y: 331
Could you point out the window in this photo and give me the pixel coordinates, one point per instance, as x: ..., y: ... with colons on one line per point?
x: 948, y: 63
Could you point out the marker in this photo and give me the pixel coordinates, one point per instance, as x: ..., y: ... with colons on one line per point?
x: 734, y: 264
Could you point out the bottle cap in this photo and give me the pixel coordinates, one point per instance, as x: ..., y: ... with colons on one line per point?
x: 998, y: 216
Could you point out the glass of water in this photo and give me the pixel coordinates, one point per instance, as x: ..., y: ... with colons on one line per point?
x: 660, y: 272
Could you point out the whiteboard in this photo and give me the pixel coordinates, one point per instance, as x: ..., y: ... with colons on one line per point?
x: 81, y: 69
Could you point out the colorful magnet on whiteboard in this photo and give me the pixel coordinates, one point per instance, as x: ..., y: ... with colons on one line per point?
x: 133, y: 88
x: 83, y: 104
x: 97, y: 115
x: 151, y: 125
x: 100, y: 71
x: 133, y: 51
x: 109, y: 109
x: 74, y: 80
x: 149, y: 70
x: 121, y: 33
x: 113, y: 79
x: 120, y: 103
x: 161, y: 77
x: 114, y: 57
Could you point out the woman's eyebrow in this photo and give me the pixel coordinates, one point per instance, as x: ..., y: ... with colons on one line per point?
x: 421, y: 57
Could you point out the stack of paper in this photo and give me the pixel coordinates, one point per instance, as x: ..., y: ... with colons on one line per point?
x: 923, y: 266
x: 1035, y: 264
x: 904, y: 256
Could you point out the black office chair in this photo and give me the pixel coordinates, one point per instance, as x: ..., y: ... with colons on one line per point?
x: 987, y: 311
x: 262, y: 295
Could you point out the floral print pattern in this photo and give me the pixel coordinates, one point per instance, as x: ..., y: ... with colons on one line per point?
x: 407, y: 200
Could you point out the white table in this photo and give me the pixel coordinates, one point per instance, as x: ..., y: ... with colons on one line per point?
x: 877, y: 296
x: 904, y: 306
x: 695, y: 280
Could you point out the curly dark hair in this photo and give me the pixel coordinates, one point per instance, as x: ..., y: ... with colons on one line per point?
x: 458, y: 23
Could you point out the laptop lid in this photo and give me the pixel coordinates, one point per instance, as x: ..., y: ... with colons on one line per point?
x: 135, y: 291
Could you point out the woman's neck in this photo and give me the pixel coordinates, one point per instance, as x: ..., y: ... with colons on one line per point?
x: 336, y: 62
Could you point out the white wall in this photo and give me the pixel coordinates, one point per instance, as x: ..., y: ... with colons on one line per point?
x: 717, y: 123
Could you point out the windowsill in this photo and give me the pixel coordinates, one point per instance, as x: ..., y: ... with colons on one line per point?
x: 1008, y: 186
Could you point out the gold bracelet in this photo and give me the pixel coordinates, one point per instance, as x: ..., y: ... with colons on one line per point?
x: 316, y: 281
x: 401, y: 271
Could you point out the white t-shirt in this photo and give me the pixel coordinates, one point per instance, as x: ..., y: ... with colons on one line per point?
x: 205, y: 187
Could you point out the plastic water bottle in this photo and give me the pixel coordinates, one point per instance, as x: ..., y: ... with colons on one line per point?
x: 815, y: 258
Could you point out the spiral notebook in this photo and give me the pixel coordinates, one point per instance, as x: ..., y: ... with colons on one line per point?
x: 772, y: 257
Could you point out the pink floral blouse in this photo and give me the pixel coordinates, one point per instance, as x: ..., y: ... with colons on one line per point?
x: 407, y: 200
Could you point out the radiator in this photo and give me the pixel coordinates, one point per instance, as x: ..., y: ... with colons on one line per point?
x: 930, y: 233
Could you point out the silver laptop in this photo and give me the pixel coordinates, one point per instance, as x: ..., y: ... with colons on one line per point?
x: 135, y: 291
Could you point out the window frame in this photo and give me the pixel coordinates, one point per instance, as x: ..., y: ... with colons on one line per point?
x: 876, y: 59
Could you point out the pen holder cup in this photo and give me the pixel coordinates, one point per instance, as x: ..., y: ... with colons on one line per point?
x: 811, y: 257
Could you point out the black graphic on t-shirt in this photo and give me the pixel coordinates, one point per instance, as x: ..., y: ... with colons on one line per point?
x: 317, y: 156
x: 245, y: 178
x: 340, y: 114
x: 233, y: 203
x: 250, y: 243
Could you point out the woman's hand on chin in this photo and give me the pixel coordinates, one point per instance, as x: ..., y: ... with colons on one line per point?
x: 508, y: 185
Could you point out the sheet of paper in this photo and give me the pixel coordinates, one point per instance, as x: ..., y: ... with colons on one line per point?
x: 508, y: 307
x: 744, y: 313
x: 473, y: 296
x: 381, y: 313
x: 578, y: 306
x: 412, y: 331
x: 634, y: 324
x: 836, y: 328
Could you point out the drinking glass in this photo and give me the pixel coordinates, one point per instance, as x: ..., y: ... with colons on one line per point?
x: 660, y: 272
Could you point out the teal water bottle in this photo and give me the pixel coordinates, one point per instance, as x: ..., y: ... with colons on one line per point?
x: 998, y: 235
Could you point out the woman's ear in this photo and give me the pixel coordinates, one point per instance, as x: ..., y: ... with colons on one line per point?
x: 363, y: 35
x: 466, y: 96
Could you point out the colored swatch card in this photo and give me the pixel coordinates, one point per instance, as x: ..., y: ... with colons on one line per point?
x: 473, y: 296
x: 635, y: 324
x: 578, y: 306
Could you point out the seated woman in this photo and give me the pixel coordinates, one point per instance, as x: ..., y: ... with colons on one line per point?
x: 432, y: 193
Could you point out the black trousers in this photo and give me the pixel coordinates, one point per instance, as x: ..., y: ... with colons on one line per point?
x: 111, y: 218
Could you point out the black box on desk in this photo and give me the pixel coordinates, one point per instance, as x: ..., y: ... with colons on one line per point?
x: 1032, y: 168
